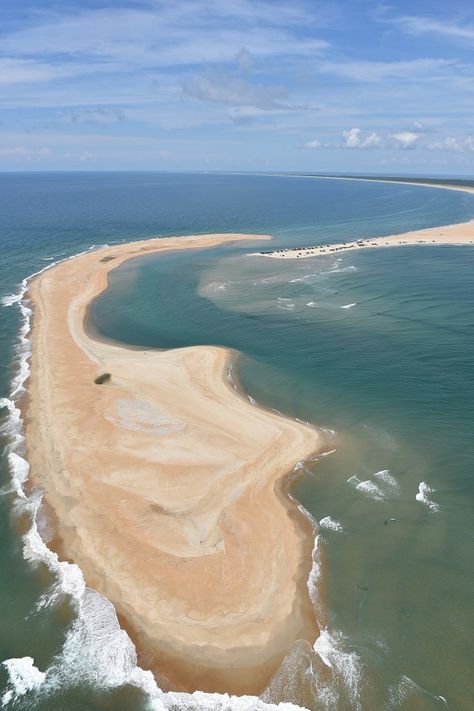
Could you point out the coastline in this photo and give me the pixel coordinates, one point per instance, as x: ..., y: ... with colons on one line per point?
x: 368, y: 179
x: 161, y: 483
x: 456, y: 235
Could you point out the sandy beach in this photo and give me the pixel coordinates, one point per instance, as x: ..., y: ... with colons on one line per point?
x: 167, y: 487
x: 459, y: 234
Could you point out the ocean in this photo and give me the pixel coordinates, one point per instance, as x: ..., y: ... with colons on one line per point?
x: 374, y: 346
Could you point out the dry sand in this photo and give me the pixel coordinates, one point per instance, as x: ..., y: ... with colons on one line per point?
x: 460, y: 234
x: 167, y: 487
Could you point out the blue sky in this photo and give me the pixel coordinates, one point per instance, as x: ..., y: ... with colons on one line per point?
x: 237, y: 85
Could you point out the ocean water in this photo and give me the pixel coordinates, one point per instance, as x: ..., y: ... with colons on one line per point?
x: 374, y: 346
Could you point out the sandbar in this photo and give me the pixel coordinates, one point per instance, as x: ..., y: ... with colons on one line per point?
x: 168, y: 487
x: 458, y: 234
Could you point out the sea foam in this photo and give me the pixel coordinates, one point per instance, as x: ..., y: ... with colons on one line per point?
x: 23, y: 676
x: 331, y: 524
x: 423, y: 496
x: 381, y: 485
x: 346, y: 667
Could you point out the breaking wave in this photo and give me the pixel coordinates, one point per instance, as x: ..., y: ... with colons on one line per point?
x: 423, y: 496
x: 331, y: 524
x: 382, y: 485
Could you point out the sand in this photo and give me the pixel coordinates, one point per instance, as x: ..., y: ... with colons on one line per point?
x: 459, y: 234
x: 168, y: 487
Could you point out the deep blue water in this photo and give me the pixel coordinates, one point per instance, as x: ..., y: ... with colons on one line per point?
x: 391, y: 375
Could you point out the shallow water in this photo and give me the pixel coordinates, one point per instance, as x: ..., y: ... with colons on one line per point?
x: 375, y: 345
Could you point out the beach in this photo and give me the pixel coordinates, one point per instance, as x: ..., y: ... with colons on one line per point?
x: 168, y: 487
x: 458, y: 234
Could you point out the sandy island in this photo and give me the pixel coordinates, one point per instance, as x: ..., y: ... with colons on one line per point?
x: 168, y: 488
x: 459, y: 234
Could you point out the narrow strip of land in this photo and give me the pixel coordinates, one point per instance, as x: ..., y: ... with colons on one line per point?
x: 460, y: 234
x: 167, y: 487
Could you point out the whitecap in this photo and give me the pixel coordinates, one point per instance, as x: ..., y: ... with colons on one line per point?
x: 326, y: 454
x: 342, y: 270
x: 423, y: 495
x: 345, y: 664
x: 10, y: 299
x: 23, y: 676
x: 385, y: 486
x: 19, y: 470
x: 331, y: 523
x: 388, y: 482
x: 304, y: 278
x: 349, y: 306
x: 315, y: 573
x: 369, y: 488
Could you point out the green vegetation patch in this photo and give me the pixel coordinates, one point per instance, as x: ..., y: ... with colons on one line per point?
x: 103, y: 378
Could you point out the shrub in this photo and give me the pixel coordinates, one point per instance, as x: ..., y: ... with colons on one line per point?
x: 103, y: 378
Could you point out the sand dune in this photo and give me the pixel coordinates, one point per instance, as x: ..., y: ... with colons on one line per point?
x: 167, y: 487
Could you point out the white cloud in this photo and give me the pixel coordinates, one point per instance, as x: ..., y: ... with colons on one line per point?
x: 186, y: 32
x: 97, y: 116
x: 353, y: 138
x: 451, y: 143
x: 236, y: 92
x: 419, y: 25
x: 23, y: 71
x: 381, y: 71
x: 23, y: 153
x: 315, y: 143
x: 405, y: 139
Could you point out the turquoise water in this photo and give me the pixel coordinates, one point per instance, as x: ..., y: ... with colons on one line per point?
x: 391, y: 375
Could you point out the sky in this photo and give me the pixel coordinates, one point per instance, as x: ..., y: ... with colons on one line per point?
x: 238, y: 85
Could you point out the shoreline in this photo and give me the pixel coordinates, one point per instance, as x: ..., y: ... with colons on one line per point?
x: 458, y: 234
x: 161, y: 481
x: 369, y: 179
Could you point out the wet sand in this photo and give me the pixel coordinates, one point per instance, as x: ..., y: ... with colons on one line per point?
x: 168, y: 487
x: 460, y: 234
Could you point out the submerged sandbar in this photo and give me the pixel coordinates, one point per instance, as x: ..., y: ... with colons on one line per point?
x: 167, y: 487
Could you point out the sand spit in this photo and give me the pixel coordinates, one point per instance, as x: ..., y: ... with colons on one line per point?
x: 461, y: 234
x: 167, y: 487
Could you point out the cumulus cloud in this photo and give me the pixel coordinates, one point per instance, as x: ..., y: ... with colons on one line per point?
x: 405, y: 139
x: 353, y: 138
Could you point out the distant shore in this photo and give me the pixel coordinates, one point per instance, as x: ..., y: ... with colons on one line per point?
x: 167, y: 487
x: 421, y: 182
x: 459, y: 234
